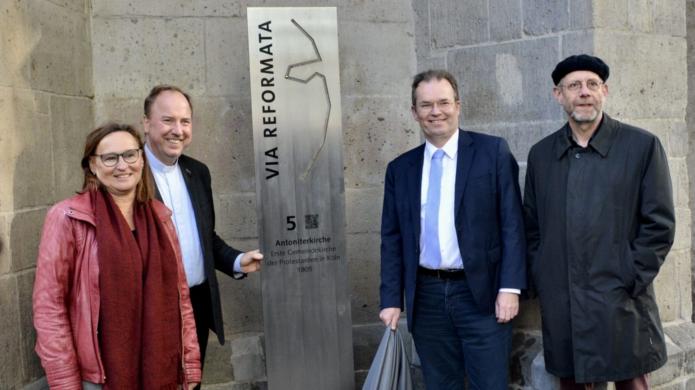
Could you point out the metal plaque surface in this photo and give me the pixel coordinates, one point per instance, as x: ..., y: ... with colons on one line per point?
x: 297, y: 136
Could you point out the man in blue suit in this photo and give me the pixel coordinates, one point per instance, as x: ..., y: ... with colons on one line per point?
x: 452, y: 239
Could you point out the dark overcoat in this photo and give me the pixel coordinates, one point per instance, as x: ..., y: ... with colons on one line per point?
x: 599, y: 223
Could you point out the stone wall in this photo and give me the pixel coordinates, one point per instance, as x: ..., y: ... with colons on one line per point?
x: 690, y: 116
x: 46, y: 109
x: 66, y: 65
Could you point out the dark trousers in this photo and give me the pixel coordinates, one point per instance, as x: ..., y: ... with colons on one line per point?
x: 200, y: 300
x: 454, y: 339
x: 639, y: 383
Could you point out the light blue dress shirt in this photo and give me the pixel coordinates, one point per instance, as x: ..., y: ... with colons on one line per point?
x: 448, y: 241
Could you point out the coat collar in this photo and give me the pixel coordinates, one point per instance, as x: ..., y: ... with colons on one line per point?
x: 186, y: 172
x: 601, y: 141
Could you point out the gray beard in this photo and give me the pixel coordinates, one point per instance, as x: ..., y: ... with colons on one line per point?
x: 584, y: 119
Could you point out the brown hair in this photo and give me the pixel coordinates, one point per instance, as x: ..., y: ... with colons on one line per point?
x: 434, y: 74
x: 149, y: 100
x: 144, y: 190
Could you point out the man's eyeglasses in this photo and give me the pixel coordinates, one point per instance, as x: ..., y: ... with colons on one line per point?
x: 130, y: 156
x: 574, y: 86
x: 443, y: 105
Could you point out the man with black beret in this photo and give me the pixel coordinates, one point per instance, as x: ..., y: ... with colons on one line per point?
x: 599, y: 218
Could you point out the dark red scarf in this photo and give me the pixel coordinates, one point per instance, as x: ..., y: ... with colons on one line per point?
x: 139, y: 318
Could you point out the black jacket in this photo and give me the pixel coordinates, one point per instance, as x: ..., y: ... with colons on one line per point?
x: 599, y: 224
x: 216, y: 253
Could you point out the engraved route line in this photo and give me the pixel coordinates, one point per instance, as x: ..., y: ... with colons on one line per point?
x: 306, y: 81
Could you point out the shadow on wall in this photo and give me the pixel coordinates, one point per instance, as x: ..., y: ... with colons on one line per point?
x: 29, y: 163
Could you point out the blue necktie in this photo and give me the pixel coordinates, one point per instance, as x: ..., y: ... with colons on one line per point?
x: 431, y: 255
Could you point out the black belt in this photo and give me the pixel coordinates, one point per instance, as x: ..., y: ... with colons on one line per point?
x: 454, y: 274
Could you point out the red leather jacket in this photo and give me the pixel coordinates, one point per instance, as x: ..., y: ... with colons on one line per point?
x: 66, y: 297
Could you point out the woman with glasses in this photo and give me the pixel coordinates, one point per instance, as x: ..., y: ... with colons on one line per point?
x: 111, y: 302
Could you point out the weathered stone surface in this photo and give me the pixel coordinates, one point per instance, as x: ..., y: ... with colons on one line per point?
x: 521, y: 136
x: 261, y: 385
x: 610, y: 14
x: 79, y: 6
x: 575, y: 43
x: 386, y: 11
x: 640, y: 57
x: 60, y: 45
x: 242, y: 306
x: 502, y: 83
x: 669, y: 17
x: 522, y: 176
x: 421, y: 27
x: 363, y: 209
x: 529, y: 315
x: 119, y: 8
x: 235, y: 215
x: 680, y: 181
x: 223, y: 139
x: 545, y: 16
x: 217, y: 362
x: 248, y: 358
x: 31, y: 148
x: 525, y: 347
x: 672, y: 133
x: 434, y: 62
x: 226, y: 58
x: 10, y: 343
x: 667, y: 296
x: 5, y: 251
x: 11, y: 31
x: 376, y: 60
x: 375, y: 131
x: 363, y: 256
x: 71, y: 120
x: 505, y: 20
x: 133, y: 54
x: 25, y: 234
x: 377, y: 12
x: 677, y: 385
x: 458, y: 22
x: 127, y: 110
x: 683, y: 239
x: 581, y: 15
x: 7, y: 149
x: 673, y: 366
x: 639, y: 15
x: 681, y: 285
x: 540, y: 378
x: 682, y: 334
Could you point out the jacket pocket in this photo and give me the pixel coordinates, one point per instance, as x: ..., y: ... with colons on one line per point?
x: 628, y: 273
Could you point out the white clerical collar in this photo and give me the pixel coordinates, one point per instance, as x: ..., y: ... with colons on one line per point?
x: 156, y: 165
x: 450, y: 148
